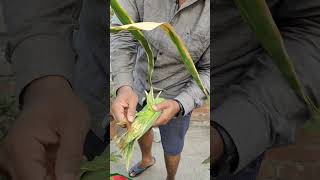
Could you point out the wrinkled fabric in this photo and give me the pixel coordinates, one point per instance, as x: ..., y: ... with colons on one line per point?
x: 251, y: 172
x: 129, y: 61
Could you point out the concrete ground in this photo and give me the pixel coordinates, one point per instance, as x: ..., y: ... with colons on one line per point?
x: 196, y: 150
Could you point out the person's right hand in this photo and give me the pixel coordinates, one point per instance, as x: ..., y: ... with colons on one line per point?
x: 123, y: 109
x: 46, y: 142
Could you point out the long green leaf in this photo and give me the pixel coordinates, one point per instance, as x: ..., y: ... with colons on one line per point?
x: 99, y: 167
x: 176, y: 40
x: 258, y: 16
x: 137, y: 34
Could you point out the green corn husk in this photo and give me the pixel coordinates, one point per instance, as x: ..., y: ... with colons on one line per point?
x: 142, y: 123
x: 258, y: 16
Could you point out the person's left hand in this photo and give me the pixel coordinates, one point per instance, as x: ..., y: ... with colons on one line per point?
x: 169, y: 110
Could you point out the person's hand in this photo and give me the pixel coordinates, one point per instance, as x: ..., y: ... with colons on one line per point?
x: 46, y: 142
x: 123, y: 109
x: 169, y: 109
x: 217, y: 146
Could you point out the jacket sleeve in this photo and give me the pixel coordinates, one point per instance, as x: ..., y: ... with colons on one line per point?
x: 261, y: 110
x: 123, y: 48
x: 192, y: 96
x: 40, y: 33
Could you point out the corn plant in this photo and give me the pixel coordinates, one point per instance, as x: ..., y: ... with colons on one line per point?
x: 257, y: 14
x: 146, y: 118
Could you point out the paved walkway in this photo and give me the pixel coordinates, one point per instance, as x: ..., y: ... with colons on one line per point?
x: 196, y: 149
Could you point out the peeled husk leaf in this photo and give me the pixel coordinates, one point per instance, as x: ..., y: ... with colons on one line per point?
x: 143, y: 122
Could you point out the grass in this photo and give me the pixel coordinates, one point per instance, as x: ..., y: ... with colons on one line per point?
x: 8, y: 113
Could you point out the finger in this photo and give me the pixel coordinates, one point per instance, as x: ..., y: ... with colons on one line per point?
x: 26, y: 142
x: 118, y: 112
x: 132, y: 109
x: 124, y: 123
x: 163, y: 119
x: 28, y: 161
x: 51, y: 155
x: 161, y: 106
x: 128, y: 125
x: 69, y: 155
x: 68, y: 158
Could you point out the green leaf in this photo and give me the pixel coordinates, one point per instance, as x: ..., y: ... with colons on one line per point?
x: 314, y: 125
x: 96, y: 175
x: 99, y: 163
x: 206, y: 161
x: 176, y: 40
x: 258, y: 16
x: 100, y: 166
x: 137, y: 34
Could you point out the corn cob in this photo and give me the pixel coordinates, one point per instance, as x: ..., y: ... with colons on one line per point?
x: 142, y: 123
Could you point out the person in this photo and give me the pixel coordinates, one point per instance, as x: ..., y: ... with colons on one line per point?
x: 61, y: 78
x: 191, y: 20
x: 254, y: 108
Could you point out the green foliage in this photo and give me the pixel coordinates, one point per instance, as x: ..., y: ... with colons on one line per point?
x: 258, y: 16
x: 137, y: 34
x: 146, y: 118
x: 8, y: 113
x: 96, y: 175
x: 99, y: 168
x: 206, y: 161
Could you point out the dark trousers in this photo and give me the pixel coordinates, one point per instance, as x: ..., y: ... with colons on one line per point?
x: 91, y: 72
x: 249, y: 173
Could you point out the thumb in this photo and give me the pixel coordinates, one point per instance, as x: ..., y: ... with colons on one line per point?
x: 161, y: 106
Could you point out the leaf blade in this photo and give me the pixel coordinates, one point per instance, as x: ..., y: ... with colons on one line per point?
x: 176, y: 40
x: 258, y: 16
